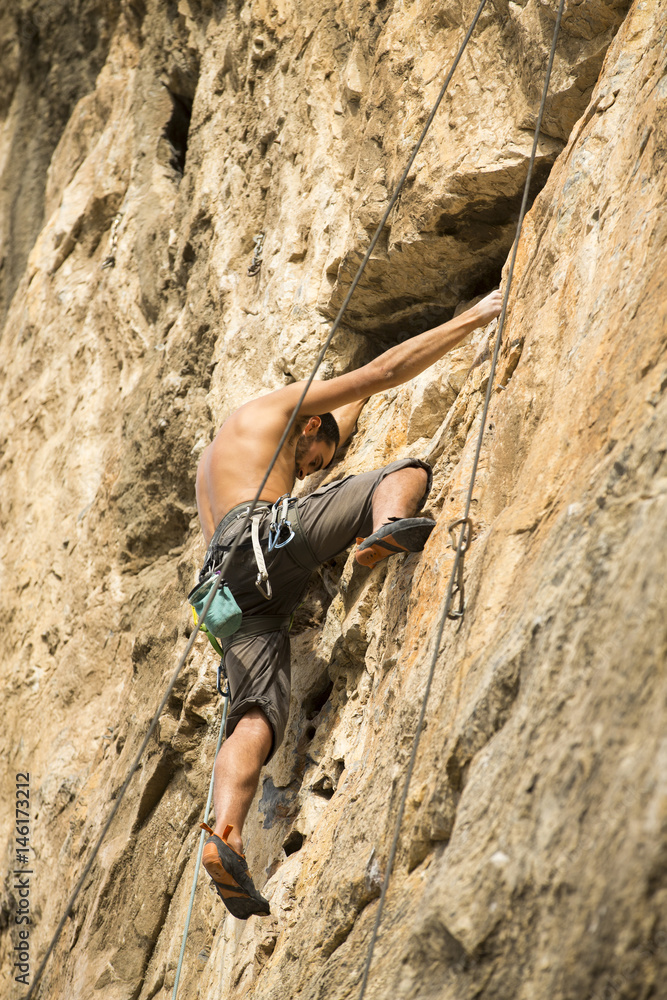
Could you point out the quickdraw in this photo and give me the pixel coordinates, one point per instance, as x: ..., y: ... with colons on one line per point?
x: 280, y: 524
x: 459, y: 587
x: 257, y: 255
x: 262, y: 582
x: 110, y: 259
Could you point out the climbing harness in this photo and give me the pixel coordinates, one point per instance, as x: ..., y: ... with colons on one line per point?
x: 214, y: 559
x: 257, y: 255
x: 224, y: 616
x: 110, y: 259
x: 254, y: 267
x: 464, y: 536
x: 285, y: 529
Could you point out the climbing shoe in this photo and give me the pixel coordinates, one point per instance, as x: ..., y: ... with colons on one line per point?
x: 231, y: 878
x: 404, y: 534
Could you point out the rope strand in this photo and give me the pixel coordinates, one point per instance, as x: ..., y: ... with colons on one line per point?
x: 462, y: 537
x: 200, y: 849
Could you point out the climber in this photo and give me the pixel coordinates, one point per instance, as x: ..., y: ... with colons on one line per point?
x: 286, y: 540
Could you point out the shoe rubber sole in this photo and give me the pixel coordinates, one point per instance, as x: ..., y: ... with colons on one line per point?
x: 409, y: 534
x: 229, y: 873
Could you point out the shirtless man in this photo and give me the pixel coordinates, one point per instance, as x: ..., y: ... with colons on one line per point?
x: 379, y: 506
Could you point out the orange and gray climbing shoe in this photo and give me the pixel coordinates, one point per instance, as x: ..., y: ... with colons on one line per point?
x: 404, y: 534
x: 231, y: 878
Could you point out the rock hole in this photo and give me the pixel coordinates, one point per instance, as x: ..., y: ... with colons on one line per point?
x: 268, y: 946
x: 314, y: 704
x: 324, y: 788
x: 137, y: 10
x: 293, y: 843
x: 488, y: 279
x: 177, y: 129
x: 310, y: 733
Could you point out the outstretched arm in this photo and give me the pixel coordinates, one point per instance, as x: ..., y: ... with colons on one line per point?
x: 397, y: 365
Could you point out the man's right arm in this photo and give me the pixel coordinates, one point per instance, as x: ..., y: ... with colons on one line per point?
x: 397, y: 365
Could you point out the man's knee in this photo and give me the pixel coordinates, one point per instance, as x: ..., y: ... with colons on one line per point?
x: 254, y: 720
x: 254, y: 725
x: 421, y: 474
x: 413, y: 474
x: 425, y: 472
x: 412, y: 466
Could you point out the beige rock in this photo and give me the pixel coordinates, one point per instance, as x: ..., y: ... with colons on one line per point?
x: 531, y: 862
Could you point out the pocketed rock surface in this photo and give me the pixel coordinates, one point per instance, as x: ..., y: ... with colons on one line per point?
x: 532, y: 861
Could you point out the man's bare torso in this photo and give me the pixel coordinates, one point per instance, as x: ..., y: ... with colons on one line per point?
x: 234, y: 464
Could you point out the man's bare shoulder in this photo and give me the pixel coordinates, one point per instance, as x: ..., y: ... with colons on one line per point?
x: 232, y: 467
x: 273, y: 407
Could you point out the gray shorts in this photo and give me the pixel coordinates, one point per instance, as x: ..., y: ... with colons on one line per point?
x: 332, y: 517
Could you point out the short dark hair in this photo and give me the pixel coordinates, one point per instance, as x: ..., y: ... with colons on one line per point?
x: 329, y: 430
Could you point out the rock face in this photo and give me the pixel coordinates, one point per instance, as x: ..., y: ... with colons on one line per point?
x: 533, y: 856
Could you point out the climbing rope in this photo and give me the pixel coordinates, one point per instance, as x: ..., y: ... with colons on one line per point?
x: 464, y: 536
x: 232, y: 551
x: 202, y: 837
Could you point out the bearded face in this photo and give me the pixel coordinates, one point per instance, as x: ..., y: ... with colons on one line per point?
x: 302, y: 447
x: 311, y: 454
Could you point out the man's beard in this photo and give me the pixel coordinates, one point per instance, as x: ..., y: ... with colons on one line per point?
x: 302, y: 446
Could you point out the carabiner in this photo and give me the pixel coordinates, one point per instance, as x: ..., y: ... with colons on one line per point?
x: 285, y: 526
x: 280, y: 523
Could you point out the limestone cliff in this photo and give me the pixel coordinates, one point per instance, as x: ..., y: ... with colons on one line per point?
x: 162, y: 136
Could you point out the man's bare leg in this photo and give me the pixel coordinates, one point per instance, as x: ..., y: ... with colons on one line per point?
x: 237, y: 768
x: 395, y: 528
x: 398, y: 495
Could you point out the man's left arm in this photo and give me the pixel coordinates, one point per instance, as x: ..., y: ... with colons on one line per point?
x: 346, y: 417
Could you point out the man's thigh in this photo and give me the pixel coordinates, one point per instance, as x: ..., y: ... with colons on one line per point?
x: 258, y: 669
x: 338, y: 513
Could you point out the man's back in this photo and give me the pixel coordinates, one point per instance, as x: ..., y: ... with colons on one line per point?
x: 233, y: 465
